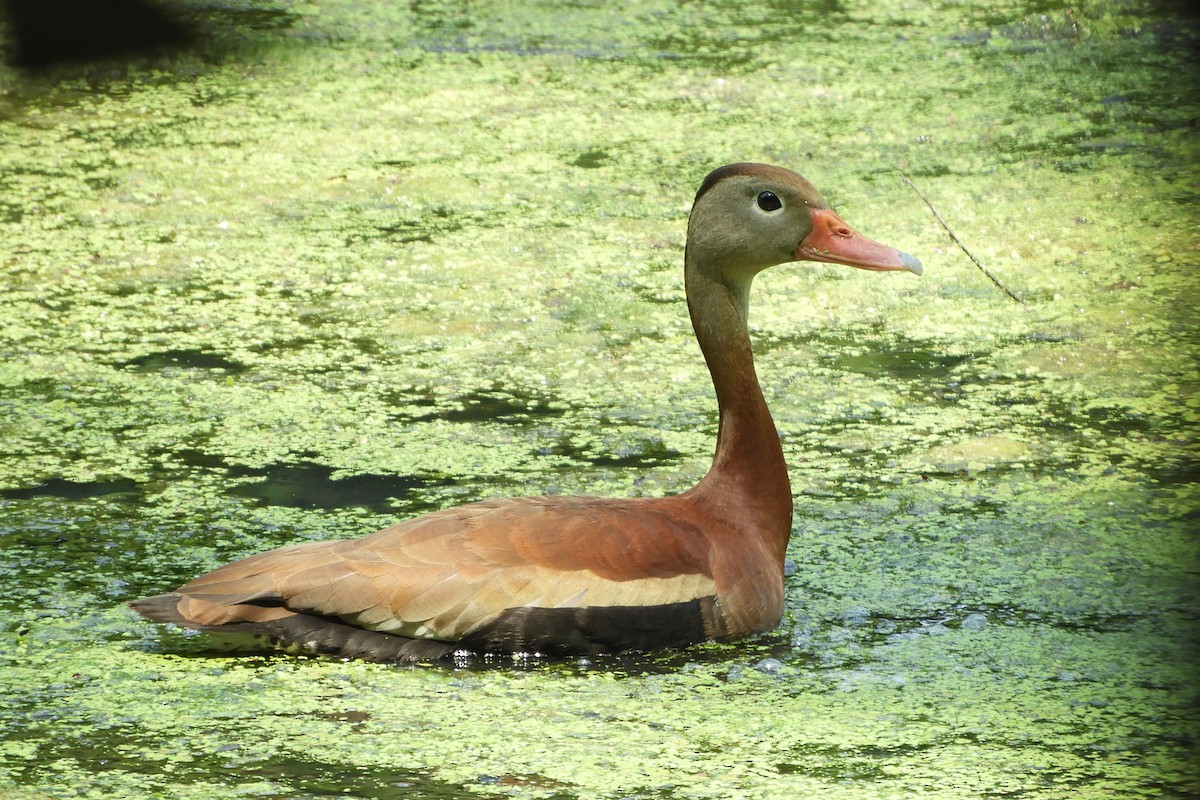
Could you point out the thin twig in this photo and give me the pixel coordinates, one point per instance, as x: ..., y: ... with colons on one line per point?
x: 941, y: 221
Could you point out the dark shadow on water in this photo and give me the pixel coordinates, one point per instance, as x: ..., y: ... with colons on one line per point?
x: 103, y: 40
x: 182, y: 359
x: 497, y: 406
x: 119, y: 750
x: 402, y: 225
x: 644, y: 453
x: 123, y: 489
x: 309, y: 485
x: 592, y: 158
x: 907, y: 364
x: 46, y: 33
x: 434, y: 224
x: 310, y: 779
x: 524, y: 410
x: 479, y: 405
x: 874, y: 353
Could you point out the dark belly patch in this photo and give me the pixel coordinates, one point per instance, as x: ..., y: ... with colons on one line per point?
x: 593, y: 630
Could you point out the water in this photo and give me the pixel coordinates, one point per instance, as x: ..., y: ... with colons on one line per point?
x: 337, y: 266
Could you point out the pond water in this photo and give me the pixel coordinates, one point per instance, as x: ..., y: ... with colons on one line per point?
x: 342, y: 263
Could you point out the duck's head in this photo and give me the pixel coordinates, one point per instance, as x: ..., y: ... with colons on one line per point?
x: 747, y: 217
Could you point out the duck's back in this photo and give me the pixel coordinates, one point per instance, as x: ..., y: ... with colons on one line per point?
x: 555, y: 575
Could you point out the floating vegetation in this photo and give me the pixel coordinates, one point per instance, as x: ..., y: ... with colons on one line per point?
x: 349, y: 262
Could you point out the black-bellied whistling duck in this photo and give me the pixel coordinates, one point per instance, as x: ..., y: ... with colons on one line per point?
x: 575, y: 575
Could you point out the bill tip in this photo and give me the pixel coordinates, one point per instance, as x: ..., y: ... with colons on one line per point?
x: 911, y: 264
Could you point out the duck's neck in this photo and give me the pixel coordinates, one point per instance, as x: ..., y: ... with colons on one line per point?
x: 748, y: 480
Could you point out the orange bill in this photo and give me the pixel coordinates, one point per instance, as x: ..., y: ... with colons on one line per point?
x: 835, y: 242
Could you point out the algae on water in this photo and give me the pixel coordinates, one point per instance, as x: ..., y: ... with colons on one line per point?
x: 347, y: 263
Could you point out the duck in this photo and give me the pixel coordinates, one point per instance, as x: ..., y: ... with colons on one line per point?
x: 574, y: 576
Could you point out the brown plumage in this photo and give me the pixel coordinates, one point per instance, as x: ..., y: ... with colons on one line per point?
x: 575, y: 575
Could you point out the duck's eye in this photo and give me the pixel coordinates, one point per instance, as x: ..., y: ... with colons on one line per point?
x: 769, y: 201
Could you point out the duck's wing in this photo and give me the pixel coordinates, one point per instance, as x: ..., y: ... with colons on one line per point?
x: 554, y: 575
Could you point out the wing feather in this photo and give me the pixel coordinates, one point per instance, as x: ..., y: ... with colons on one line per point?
x: 448, y: 574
